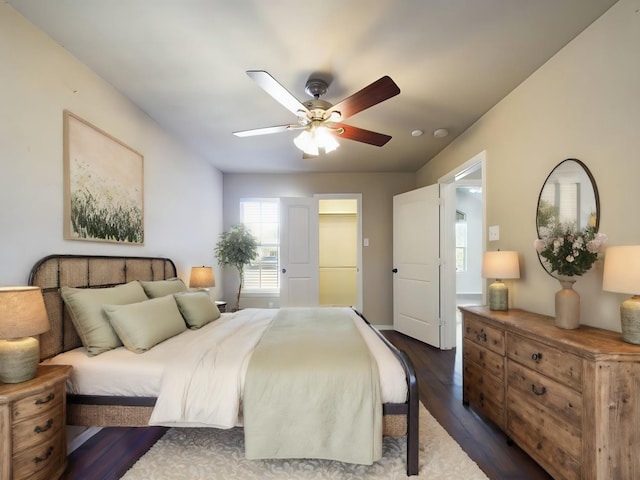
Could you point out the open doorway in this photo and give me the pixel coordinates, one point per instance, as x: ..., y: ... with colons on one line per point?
x: 462, y: 243
x: 339, y: 250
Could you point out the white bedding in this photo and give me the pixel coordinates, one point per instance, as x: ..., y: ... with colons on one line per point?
x: 120, y: 372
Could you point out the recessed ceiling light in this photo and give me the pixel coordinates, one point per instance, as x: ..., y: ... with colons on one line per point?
x: 416, y: 133
x: 440, y: 133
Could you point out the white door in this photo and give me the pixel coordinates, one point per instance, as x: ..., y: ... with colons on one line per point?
x: 299, y: 268
x: 416, y: 281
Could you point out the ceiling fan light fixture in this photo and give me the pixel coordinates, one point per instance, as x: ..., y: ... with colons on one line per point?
x: 325, y: 140
x: 306, y: 143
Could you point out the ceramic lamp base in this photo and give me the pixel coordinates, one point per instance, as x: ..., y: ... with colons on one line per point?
x: 498, y: 296
x: 630, y: 320
x: 19, y: 359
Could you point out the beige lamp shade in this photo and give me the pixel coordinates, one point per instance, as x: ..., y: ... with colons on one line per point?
x: 622, y: 269
x: 622, y: 275
x: 22, y: 312
x: 500, y: 264
x: 202, y: 277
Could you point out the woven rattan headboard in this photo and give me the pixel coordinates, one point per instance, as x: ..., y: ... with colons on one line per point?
x: 85, y: 271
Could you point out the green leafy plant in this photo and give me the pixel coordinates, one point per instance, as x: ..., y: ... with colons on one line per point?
x: 237, y: 247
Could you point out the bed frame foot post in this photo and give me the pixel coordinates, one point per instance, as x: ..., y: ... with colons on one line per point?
x: 413, y: 419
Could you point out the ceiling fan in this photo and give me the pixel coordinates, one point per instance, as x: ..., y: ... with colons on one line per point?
x: 319, y: 120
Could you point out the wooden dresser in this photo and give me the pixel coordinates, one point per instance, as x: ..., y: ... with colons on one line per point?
x: 33, y: 426
x: 569, y: 398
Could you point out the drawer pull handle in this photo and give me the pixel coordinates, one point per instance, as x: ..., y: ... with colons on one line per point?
x: 44, y: 457
x: 541, y: 391
x: 42, y: 401
x: 48, y: 425
x: 536, y: 357
x: 482, y: 336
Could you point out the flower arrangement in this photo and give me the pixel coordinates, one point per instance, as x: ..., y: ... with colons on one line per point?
x: 567, y: 251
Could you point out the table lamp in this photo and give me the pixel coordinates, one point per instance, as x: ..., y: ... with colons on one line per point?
x: 202, y: 277
x: 622, y: 275
x: 22, y: 315
x: 500, y: 265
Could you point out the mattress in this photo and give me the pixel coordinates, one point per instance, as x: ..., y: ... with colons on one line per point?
x: 120, y: 372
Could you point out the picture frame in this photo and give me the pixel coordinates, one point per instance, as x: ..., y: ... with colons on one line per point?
x: 103, y: 185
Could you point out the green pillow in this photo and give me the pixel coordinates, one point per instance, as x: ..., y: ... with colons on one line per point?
x: 142, y: 325
x: 160, y: 288
x: 85, y: 309
x: 197, y: 308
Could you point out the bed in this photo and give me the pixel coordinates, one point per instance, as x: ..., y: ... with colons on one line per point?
x: 124, y: 408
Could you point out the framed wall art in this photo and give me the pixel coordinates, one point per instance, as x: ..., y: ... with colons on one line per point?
x: 103, y: 186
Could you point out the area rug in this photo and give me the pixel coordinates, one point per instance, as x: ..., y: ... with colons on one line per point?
x: 212, y: 454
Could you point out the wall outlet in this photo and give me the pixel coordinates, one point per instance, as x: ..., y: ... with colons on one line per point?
x: 494, y: 233
x: 365, y: 242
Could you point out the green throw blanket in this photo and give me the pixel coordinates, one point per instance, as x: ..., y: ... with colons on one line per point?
x: 312, y: 390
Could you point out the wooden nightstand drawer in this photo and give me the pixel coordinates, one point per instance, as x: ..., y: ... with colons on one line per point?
x: 45, y: 401
x: 561, y: 366
x: 41, y: 461
x: 32, y: 426
x: 479, y: 332
x: 35, y: 430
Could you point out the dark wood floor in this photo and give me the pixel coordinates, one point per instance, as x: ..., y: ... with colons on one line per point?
x: 111, y: 452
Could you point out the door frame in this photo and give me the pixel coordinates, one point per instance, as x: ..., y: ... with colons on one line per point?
x: 358, y: 198
x: 448, y: 242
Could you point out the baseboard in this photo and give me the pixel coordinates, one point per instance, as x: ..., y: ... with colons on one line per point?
x: 384, y: 327
x: 76, y: 436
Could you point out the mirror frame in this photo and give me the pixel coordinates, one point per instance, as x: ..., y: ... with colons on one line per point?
x: 595, y: 194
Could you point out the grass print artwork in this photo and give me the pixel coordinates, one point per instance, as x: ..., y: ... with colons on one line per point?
x: 103, y: 186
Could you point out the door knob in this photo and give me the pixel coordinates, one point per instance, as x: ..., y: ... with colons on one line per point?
x: 284, y: 270
x: 395, y: 270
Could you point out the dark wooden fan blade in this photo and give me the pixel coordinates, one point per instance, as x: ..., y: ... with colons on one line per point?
x: 277, y: 91
x: 362, y: 135
x: 371, y: 95
x: 263, y: 131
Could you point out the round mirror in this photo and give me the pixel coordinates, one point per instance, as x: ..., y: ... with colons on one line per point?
x: 569, y: 197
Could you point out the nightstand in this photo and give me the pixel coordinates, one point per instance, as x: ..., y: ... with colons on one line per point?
x: 222, y: 306
x: 33, y: 426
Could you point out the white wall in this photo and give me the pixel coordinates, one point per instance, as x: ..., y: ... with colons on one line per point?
x: 38, y: 80
x: 583, y: 103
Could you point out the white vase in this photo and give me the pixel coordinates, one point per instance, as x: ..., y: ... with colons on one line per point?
x: 567, y: 304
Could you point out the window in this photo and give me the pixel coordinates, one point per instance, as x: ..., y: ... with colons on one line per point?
x: 461, y: 241
x: 262, y: 217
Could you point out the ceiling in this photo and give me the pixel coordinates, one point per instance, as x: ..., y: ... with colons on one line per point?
x: 183, y: 62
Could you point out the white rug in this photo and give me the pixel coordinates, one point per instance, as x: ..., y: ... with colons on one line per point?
x: 211, y: 454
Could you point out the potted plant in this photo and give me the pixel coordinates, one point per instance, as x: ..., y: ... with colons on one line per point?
x: 237, y: 247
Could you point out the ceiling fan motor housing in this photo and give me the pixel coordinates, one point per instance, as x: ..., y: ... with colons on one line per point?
x: 316, y: 87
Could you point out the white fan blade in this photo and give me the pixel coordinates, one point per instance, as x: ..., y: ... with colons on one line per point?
x: 277, y: 91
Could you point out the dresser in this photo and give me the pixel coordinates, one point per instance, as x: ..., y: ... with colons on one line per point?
x: 33, y: 426
x: 569, y: 398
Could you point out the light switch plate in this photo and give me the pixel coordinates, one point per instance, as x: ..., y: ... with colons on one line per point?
x: 494, y: 233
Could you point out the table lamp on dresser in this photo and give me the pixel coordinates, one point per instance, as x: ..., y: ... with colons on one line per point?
x: 22, y: 316
x: 500, y: 265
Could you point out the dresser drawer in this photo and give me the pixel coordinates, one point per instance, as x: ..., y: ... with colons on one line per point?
x: 37, y: 429
x: 484, y: 392
x: 563, y: 367
x: 547, y: 394
x: 490, y: 361
x: 42, y: 461
x: 47, y: 400
x: 552, y: 443
x: 479, y: 332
